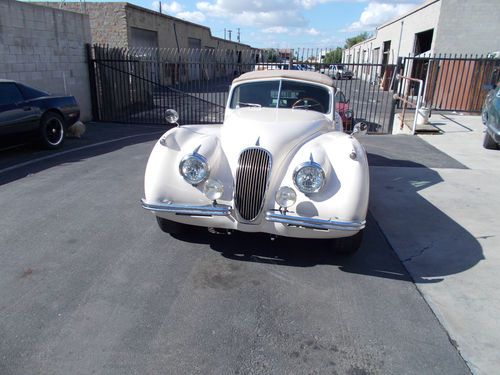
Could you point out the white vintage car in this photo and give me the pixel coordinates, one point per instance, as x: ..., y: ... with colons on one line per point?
x: 279, y: 164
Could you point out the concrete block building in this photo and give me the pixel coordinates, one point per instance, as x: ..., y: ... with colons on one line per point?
x: 45, y: 48
x: 435, y: 27
x: 120, y: 24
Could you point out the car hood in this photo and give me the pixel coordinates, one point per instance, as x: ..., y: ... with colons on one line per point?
x: 278, y: 130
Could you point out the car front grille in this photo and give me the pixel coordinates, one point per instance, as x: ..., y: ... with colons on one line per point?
x: 252, y: 174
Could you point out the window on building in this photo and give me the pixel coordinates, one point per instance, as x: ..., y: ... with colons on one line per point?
x: 423, y: 42
x: 376, y: 55
x: 143, y: 38
x: 194, y: 43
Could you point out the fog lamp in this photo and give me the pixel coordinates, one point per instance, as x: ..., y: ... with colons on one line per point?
x: 213, y: 189
x: 286, y: 196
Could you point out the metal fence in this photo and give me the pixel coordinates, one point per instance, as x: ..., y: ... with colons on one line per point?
x: 137, y: 85
x: 451, y: 83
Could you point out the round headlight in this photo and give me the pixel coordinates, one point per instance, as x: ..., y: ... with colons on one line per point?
x: 309, y: 177
x: 286, y: 196
x: 194, y: 168
x: 213, y: 189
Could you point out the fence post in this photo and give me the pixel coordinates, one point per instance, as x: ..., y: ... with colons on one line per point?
x: 394, y: 101
x: 93, y: 85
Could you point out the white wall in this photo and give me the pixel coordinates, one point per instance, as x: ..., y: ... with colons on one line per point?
x: 471, y: 27
x: 45, y: 48
x: 424, y: 19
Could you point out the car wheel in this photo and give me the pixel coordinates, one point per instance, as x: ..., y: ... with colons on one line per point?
x: 52, y: 130
x: 348, y: 245
x: 350, y: 77
x: 488, y: 142
x: 338, y: 76
x: 169, y: 226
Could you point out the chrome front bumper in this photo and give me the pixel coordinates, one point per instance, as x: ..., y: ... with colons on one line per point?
x: 188, y: 210
x: 311, y: 223
x: 271, y: 216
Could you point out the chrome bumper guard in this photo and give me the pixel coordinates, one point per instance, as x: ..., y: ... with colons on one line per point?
x: 189, y: 210
x: 311, y: 223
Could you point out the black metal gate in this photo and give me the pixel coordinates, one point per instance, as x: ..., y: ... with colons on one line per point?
x: 137, y: 85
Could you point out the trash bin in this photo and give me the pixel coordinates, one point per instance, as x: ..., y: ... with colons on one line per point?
x: 423, y: 116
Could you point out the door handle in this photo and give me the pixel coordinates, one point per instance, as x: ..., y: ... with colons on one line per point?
x: 26, y: 108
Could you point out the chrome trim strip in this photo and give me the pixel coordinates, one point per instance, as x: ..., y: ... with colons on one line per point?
x: 312, y: 223
x: 188, y: 210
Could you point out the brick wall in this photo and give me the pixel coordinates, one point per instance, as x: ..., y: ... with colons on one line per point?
x: 45, y: 48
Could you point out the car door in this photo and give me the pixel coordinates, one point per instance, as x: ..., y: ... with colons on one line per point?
x: 15, y: 114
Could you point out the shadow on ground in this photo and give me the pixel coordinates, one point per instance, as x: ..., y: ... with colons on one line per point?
x: 21, y: 157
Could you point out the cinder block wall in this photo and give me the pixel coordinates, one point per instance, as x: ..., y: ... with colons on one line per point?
x: 108, y: 21
x: 45, y: 48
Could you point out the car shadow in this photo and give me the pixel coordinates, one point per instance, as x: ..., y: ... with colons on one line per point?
x: 376, y: 257
x: 20, y: 156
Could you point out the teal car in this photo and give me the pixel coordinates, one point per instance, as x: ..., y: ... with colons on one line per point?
x: 491, y: 118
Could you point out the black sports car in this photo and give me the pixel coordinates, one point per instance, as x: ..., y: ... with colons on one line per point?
x: 24, y: 109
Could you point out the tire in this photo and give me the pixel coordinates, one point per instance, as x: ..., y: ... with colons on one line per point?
x: 348, y: 245
x: 488, y: 142
x: 350, y: 77
x: 337, y: 76
x: 52, y: 130
x: 169, y: 226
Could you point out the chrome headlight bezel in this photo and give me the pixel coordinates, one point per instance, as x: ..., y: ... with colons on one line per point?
x: 202, y: 160
x: 313, y: 165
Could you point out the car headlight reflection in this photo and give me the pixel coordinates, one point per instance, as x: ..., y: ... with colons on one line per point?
x: 309, y: 177
x: 194, y: 168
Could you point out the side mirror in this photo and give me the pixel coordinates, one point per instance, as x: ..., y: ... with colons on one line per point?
x: 172, y: 116
x: 360, y: 128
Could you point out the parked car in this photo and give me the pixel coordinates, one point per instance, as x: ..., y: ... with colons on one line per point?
x: 279, y: 164
x: 338, y: 71
x: 304, y: 67
x: 24, y: 109
x: 342, y: 107
x: 491, y: 118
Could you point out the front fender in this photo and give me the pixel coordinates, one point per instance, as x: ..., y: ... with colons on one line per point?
x: 345, y: 193
x: 162, y: 180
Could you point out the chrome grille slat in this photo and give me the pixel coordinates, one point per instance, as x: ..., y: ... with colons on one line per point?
x: 252, y: 174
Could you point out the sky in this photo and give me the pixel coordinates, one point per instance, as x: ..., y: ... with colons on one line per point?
x: 285, y: 23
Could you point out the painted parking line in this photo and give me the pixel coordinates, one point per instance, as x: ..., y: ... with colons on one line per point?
x: 47, y: 157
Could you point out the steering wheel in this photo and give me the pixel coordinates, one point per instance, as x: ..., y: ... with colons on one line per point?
x: 314, y: 103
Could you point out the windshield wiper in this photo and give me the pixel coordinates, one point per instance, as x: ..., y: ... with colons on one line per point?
x: 249, y: 104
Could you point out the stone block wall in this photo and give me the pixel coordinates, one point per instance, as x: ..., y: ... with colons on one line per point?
x: 45, y: 48
x: 108, y: 21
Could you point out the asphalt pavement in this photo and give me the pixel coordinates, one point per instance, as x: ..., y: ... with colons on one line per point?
x: 89, y: 284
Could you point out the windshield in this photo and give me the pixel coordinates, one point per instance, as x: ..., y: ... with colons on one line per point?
x: 281, y: 94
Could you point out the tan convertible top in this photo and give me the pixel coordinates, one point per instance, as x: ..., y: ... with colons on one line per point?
x: 292, y: 74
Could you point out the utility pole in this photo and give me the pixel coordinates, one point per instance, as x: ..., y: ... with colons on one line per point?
x: 238, y: 35
x: 229, y: 33
x: 224, y: 33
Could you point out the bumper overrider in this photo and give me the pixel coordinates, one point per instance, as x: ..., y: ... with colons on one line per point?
x: 271, y: 216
